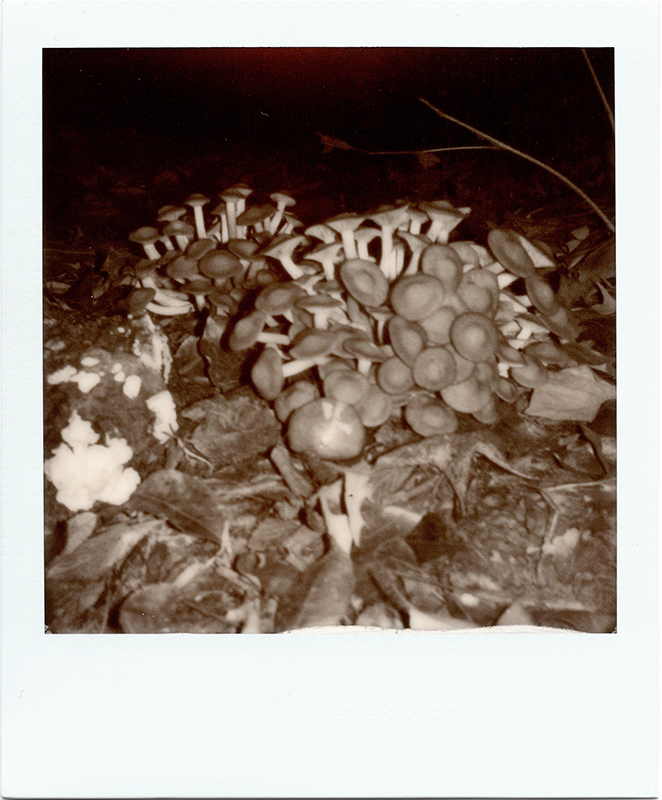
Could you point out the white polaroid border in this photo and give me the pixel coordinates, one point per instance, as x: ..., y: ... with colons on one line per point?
x: 323, y: 715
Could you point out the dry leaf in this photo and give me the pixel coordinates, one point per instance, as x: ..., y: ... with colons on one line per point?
x: 571, y: 394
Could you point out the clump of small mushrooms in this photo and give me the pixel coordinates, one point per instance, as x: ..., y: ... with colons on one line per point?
x: 363, y: 317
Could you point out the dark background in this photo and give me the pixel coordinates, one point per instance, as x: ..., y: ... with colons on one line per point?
x: 127, y: 130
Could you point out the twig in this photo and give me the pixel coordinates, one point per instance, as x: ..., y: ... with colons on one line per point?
x: 533, y: 160
x: 417, y: 152
x: 598, y: 86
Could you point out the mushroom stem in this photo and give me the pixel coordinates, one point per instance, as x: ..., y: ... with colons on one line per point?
x: 301, y: 365
x: 337, y: 525
x: 168, y: 311
x: 199, y: 222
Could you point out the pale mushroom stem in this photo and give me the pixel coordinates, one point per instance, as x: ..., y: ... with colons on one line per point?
x: 275, y: 220
x: 167, y: 243
x: 231, y: 207
x: 168, y: 311
x: 199, y: 222
x: 412, y: 267
x: 151, y: 252
x: 182, y: 241
x: 349, y: 244
x: 387, y: 260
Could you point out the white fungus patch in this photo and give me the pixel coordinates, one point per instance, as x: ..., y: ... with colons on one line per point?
x: 132, y: 386
x: 89, y: 361
x: 120, y: 377
x: 163, y: 407
x: 86, y: 380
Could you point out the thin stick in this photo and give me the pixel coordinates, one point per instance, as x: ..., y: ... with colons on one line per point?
x: 533, y: 160
x: 598, y: 86
x: 416, y: 152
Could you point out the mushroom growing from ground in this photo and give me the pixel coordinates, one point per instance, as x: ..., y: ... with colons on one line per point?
x: 444, y: 263
x: 345, y: 225
x: 328, y: 256
x: 541, y: 294
x: 468, y: 396
x: 281, y: 249
x: 147, y: 237
x: 474, y: 336
x: 428, y: 416
x: 327, y: 428
x: 394, y: 377
x: 219, y: 265
x: 267, y: 373
x: 407, y: 338
x: 434, y: 368
x: 197, y: 201
x: 444, y: 219
x: 232, y: 198
x: 295, y: 396
x: 182, y: 231
x: 347, y: 385
x: 283, y: 200
x: 509, y: 252
x: 388, y: 220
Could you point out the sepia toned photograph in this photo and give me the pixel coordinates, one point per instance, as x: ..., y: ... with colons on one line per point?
x: 329, y: 339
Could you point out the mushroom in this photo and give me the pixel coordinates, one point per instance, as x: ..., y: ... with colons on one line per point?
x: 219, y: 265
x: 417, y: 245
x: 231, y: 198
x: 417, y: 219
x: 479, y: 290
x: 245, y: 191
x: 295, y: 396
x: 291, y: 223
x: 182, y: 269
x: 467, y: 253
x: 509, y: 252
x: 541, y: 294
x: 444, y: 218
x: 428, y: 416
x: 489, y: 413
x: 464, y: 368
x: 407, y: 338
x: 394, y: 376
x: 474, y: 336
x: 376, y: 408
x: 313, y: 343
x: 198, y: 249
x: 327, y: 428
x: 468, y: 396
x: 246, y: 331
x: 345, y: 225
x: 267, y: 374
x: 363, y: 237
x: 283, y: 200
x: 364, y: 281
x: 437, y: 327
x: 198, y: 287
x: 182, y: 231
x: 321, y: 306
x: 388, y: 220
x: 278, y: 299
x: 197, y: 201
x: 281, y: 249
x: 321, y: 232
x: 415, y: 297
x: 347, y: 385
x: 434, y: 368
x: 147, y: 236
x: 365, y: 351
x: 444, y: 263
x: 327, y: 255
x: 220, y: 230
x: 531, y: 374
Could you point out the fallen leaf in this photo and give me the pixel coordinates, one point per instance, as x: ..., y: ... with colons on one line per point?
x: 571, y: 394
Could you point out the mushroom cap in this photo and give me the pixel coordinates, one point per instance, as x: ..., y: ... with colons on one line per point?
x: 243, y: 188
x: 179, y: 228
x: 437, y: 326
x: 219, y: 264
x: 434, y: 368
x: 170, y: 213
x: 365, y: 281
x: 279, y: 297
x: 317, y: 302
x: 145, y: 235
x: 489, y: 413
x: 474, y: 336
x: 509, y: 252
x: 200, y: 248
x: 267, y: 374
x: 223, y: 301
x: 415, y: 297
x: 531, y: 374
x: 479, y: 290
x: 541, y: 294
x: 327, y: 428
x: 255, y: 214
x: 376, y: 408
x: 407, y: 338
x: 325, y: 252
x: 322, y: 232
x: 390, y: 217
x: 232, y: 195
x: 295, y: 396
x: 246, y: 330
x: 282, y: 246
x: 428, y: 416
x: 442, y: 261
x: 467, y: 254
x: 467, y: 397
x: 394, y: 376
x: 344, y: 222
x: 358, y: 347
x: 284, y: 199
x: 196, y: 200
x: 464, y: 368
x: 347, y: 385
x: 313, y: 343
x: 243, y: 248
x: 182, y: 268
x: 442, y: 211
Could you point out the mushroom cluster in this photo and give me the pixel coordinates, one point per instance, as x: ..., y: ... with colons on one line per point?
x: 362, y: 317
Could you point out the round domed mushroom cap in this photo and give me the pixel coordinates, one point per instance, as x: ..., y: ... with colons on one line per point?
x: 313, y: 343
x: 364, y: 281
x: 278, y: 297
x: 541, y: 294
x: 407, y: 338
x: 267, y: 374
x: 479, y: 290
x: 255, y: 214
x: 347, y: 385
x: 295, y: 396
x: 219, y: 264
x: 200, y: 248
x: 196, y: 200
x: 415, y: 297
x: 428, y: 416
x: 394, y: 376
x: 327, y: 428
x: 246, y: 330
x: 182, y: 268
x: 444, y: 263
x: 531, y: 374
x: 170, y: 213
x: 474, y: 336
x: 376, y: 408
x: 437, y: 327
x: 434, y: 369
x: 468, y: 397
x: 179, y: 228
x: 510, y: 253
